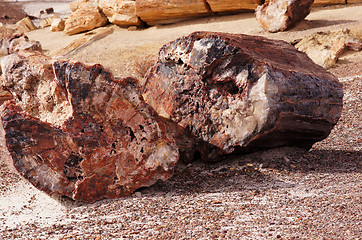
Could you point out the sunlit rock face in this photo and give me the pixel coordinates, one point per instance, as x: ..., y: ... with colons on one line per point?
x: 75, y: 130
x: 278, y: 15
x: 242, y: 93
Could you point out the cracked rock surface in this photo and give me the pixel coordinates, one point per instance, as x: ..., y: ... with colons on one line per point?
x: 74, y: 130
x: 241, y: 93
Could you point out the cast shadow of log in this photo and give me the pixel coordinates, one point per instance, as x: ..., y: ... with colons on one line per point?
x: 247, y: 174
x: 310, y: 24
x: 255, y: 172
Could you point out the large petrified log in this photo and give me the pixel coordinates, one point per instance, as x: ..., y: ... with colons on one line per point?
x: 74, y: 130
x: 168, y: 11
x: 278, y: 15
x: 240, y: 92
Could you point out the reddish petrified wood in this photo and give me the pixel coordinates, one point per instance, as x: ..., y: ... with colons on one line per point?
x: 278, y: 15
x: 240, y: 92
x: 74, y: 130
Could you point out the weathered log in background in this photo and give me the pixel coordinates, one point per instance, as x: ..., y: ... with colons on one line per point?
x: 240, y: 92
x: 278, y: 15
x: 74, y: 130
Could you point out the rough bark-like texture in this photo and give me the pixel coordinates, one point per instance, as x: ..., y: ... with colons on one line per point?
x: 159, y: 12
x: 278, y: 15
x: 232, y: 5
x: 240, y: 92
x: 74, y: 130
x: 120, y: 12
x: 85, y: 18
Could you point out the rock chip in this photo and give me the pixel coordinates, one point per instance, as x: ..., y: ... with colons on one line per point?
x: 85, y: 18
x: 168, y: 11
x: 57, y: 25
x: 75, y: 130
x: 120, y: 12
x: 243, y: 93
x: 278, y: 15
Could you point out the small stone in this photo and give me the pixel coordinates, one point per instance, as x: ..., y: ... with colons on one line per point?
x: 132, y: 28
x: 57, y: 25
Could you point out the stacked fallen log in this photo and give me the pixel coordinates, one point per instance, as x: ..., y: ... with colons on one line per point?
x: 243, y: 93
x: 75, y: 130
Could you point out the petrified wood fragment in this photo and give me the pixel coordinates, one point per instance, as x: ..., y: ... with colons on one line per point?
x: 240, y: 92
x: 74, y: 130
x: 278, y: 15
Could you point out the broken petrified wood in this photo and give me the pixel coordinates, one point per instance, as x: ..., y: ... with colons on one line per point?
x: 278, y: 15
x: 243, y: 93
x: 74, y: 130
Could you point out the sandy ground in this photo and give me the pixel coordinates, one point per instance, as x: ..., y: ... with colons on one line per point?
x: 283, y: 193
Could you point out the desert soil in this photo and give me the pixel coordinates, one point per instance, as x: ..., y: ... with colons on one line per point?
x: 285, y: 193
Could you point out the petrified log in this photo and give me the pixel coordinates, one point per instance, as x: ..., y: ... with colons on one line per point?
x: 278, y: 15
x: 324, y: 48
x: 160, y: 12
x: 25, y: 25
x: 243, y: 93
x: 74, y: 130
x: 329, y: 2
x: 81, y: 42
x: 120, y: 12
x: 232, y: 5
x: 85, y: 18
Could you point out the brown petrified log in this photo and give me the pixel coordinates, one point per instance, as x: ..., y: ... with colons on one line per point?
x: 243, y: 93
x: 278, y: 15
x: 74, y: 130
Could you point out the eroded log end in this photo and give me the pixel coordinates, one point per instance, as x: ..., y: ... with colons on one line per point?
x: 74, y: 130
x: 240, y: 92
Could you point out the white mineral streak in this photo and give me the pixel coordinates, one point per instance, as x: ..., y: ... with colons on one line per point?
x: 161, y: 156
x: 243, y: 116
